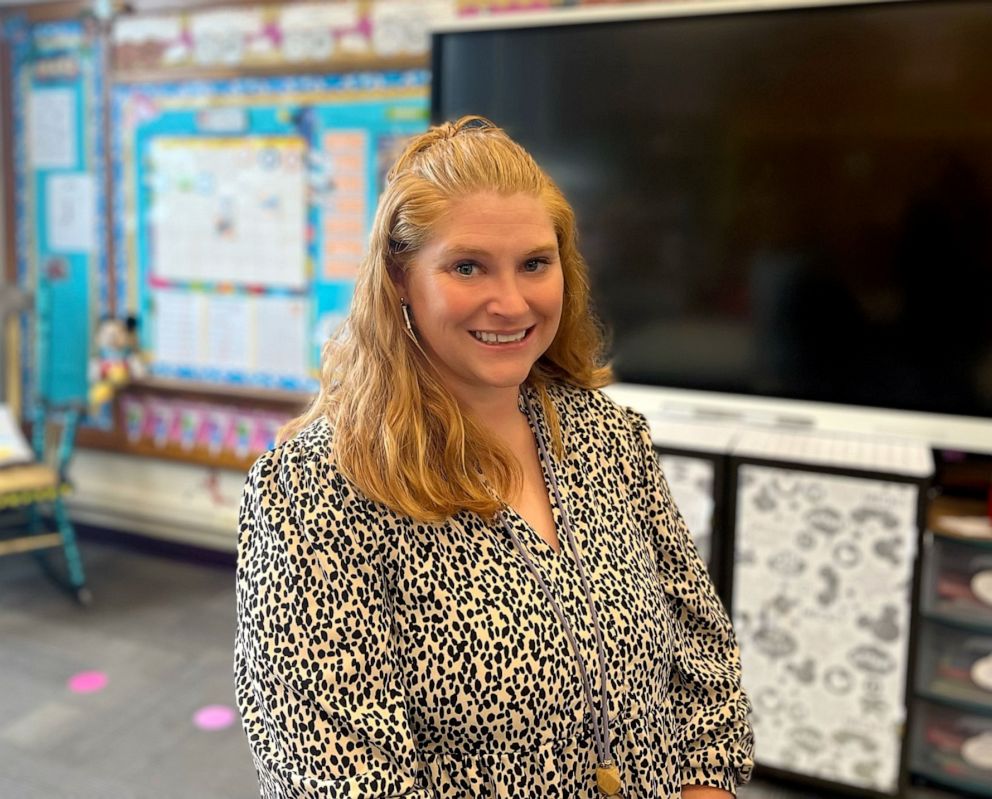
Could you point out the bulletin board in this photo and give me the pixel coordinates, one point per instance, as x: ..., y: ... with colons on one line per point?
x: 243, y: 210
x: 59, y: 197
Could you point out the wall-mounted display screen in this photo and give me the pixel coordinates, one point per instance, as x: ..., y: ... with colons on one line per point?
x: 792, y: 203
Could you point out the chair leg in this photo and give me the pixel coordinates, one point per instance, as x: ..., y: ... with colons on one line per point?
x: 74, y: 562
x: 34, y: 528
x: 34, y: 519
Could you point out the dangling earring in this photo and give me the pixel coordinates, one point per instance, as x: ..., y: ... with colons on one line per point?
x: 406, y: 320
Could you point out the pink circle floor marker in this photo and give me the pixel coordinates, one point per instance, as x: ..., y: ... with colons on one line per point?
x: 214, y: 717
x: 88, y: 682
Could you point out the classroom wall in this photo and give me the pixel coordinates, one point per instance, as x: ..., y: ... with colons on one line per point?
x: 189, y: 503
x: 157, y: 498
x: 197, y: 504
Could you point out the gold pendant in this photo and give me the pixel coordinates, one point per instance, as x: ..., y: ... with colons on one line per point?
x: 608, y: 778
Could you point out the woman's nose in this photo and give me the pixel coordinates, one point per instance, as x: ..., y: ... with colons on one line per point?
x: 508, y: 299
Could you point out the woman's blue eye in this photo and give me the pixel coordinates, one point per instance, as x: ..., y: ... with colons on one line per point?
x: 535, y: 264
x: 466, y: 269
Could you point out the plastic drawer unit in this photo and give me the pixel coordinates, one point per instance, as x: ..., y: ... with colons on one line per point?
x: 954, y: 665
x: 951, y: 740
x: 957, y: 585
x: 953, y: 746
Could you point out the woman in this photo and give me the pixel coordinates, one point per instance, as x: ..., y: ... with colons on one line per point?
x: 464, y: 576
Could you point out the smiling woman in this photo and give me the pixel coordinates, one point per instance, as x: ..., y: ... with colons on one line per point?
x: 461, y: 573
x: 406, y: 433
x: 487, y: 289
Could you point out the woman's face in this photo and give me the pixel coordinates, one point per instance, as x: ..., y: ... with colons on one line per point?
x: 485, y: 292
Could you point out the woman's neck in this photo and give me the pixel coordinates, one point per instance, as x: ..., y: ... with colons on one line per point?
x: 498, y: 412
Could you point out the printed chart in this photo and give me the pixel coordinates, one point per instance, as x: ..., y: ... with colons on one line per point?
x: 245, y: 207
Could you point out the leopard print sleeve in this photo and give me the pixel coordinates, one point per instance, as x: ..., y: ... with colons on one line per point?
x: 321, y: 705
x: 709, y: 708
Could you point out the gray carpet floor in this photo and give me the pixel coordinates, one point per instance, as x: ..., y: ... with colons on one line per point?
x: 161, y: 628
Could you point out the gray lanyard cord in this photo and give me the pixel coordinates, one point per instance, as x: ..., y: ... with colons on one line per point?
x: 602, y: 737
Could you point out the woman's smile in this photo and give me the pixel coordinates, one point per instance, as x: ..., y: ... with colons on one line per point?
x: 491, y: 271
x: 498, y: 339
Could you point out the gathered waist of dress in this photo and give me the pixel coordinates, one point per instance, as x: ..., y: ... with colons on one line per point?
x: 582, y: 732
x: 558, y: 767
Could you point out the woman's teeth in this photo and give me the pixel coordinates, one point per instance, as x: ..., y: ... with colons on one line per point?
x: 498, y: 338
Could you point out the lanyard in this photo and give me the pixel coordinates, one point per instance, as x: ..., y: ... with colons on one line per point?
x: 607, y: 773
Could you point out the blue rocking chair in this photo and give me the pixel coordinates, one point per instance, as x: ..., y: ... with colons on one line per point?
x: 34, y: 480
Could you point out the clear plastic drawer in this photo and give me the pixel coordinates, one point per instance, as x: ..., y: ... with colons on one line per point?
x: 952, y: 747
x: 957, y: 580
x: 955, y: 664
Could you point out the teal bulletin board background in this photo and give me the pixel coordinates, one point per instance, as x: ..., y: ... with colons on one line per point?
x: 61, y: 255
x: 382, y: 108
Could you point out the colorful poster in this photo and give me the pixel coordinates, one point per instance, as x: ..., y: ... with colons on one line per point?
x: 345, y: 202
x: 245, y: 212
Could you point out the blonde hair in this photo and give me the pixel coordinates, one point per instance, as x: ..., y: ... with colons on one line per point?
x: 398, y: 433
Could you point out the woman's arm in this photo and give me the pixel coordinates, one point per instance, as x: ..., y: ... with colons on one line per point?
x: 322, y: 707
x: 711, y: 730
x: 702, y: 792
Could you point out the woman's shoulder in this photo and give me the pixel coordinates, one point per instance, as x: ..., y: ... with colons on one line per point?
x: 595, y: 406
x: 295, y: 493
x: 300, y: 473
x: 310, y: 445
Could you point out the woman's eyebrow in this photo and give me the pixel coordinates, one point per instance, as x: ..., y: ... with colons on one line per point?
x: 481, y: 252
x: 461, y: 251
x: 544, y: 248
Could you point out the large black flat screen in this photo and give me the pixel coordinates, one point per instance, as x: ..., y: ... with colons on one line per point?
x: 792, y: 203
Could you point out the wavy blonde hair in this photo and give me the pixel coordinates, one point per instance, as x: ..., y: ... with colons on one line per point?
x: 399, y: 434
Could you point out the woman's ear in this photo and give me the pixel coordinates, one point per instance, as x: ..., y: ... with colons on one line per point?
x: 398, y: 275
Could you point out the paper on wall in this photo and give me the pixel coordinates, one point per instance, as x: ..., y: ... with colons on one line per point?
x: 281, y: 336
x: 228, y: 326
x: 178, y: 327
x: 402, y: 27
x: 70, y: 213
x: 308, y: 28
x: 219, y: 37
x: 304, y: 45
x: 224, y: 22
x: 306, y: 16
x: 138, y: 30
x: 52, y: 129
x: 229, y: 210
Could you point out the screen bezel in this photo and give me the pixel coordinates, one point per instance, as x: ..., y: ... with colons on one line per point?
x: 941, y: 431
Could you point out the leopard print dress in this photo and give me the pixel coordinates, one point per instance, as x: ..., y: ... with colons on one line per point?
x: 381, y: 657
